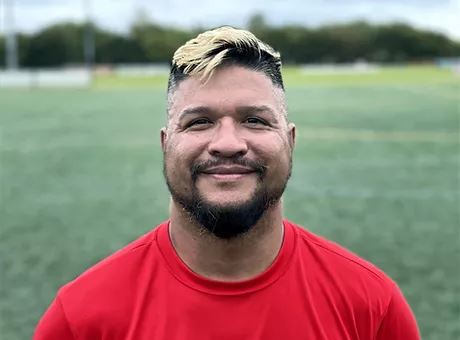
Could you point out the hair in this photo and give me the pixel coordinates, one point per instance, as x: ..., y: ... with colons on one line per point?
x: 224, y: 46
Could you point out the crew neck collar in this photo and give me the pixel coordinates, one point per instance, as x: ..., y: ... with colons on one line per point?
x: 189, y: 278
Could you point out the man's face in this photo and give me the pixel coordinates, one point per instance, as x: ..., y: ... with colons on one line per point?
x: 227, y: 148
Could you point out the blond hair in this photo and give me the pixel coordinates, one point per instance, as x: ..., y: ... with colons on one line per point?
x: 205, y: 53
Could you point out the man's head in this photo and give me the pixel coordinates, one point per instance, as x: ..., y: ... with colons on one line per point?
x: 227, y: 145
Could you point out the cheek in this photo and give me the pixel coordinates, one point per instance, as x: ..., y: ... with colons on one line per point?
x: 272, y: 147
x: 276, y: 152
x: 181, y: 154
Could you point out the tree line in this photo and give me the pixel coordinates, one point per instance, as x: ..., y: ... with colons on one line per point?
x: 148, y: 42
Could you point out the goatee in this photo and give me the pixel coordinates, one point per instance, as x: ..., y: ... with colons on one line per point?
x: 233, y: 220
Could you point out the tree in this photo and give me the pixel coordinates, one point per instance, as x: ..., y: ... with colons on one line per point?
x: 56, y: 45
x: 2, y: 52
x: 257, y: 23
x: 112, y: 48
x: 147, y: 41
x: 159, y: 43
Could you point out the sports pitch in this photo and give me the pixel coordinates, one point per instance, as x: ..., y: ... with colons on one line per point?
x: 376, y: 169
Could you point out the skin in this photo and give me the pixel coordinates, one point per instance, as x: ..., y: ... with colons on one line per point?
x: 236, y: 113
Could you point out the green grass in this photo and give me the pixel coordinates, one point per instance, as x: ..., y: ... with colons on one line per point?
x: 376, y: 169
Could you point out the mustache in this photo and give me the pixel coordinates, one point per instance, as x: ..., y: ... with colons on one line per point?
x: 256, y: 166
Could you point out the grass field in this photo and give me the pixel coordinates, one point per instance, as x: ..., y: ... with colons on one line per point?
x: 376, y: 168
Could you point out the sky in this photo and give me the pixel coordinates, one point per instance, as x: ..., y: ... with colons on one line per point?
x: 117, y: 15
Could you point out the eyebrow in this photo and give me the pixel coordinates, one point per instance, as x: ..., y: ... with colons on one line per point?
x: 242, y: 110
x: 197, y: 110
x: 253, y: 109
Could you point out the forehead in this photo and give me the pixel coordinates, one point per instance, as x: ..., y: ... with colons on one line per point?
x: 226, y: 89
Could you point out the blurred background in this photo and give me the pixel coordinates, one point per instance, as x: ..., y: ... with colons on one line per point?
x: 373, y: 87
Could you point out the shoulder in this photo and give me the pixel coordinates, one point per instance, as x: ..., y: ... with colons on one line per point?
x: 342, y: 272
x: 117, y: 263
x: 332, y: 254
x: 112, y: 284
x: 355, y: 286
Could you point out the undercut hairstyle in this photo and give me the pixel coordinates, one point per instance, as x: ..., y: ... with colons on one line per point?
x: 220, y: 47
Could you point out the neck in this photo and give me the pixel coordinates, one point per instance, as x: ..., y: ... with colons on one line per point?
x: 236, y: 259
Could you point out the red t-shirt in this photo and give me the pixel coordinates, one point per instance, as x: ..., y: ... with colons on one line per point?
x: 313, y: 290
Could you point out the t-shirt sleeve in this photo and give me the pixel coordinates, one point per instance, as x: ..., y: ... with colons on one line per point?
x: 53, y: 324
x: 398, y: 322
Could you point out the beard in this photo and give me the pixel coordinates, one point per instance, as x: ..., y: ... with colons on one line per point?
x: 230, y: 220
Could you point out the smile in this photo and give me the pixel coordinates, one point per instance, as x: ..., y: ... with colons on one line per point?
x: 228, y: 177
x: 228, y: 170
x: 228, y: 173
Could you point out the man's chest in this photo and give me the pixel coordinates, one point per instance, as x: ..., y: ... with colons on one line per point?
x: 181, y: 313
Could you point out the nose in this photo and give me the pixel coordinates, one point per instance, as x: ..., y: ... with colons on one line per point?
x: 226, y: 141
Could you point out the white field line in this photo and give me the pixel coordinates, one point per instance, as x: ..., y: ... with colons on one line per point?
x: 316, y: 134
x: 429, y: 92
x: 77, y: 144
x: 417, y: 161
x: 377, y: 136
x: 367, y: 193
x: 313, y: 192
x: 38, y: 125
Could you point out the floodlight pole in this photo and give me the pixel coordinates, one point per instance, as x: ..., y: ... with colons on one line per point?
x: 11, y: 49
x: 89, y: 49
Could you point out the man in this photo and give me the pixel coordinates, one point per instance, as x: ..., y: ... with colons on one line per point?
x: 226, y: 265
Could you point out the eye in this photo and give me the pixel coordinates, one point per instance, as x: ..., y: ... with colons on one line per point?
x: 198, y: 123
x: 255, y: 121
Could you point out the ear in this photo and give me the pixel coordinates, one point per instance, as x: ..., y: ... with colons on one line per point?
x: 163, y: 138
x: 291, y: 129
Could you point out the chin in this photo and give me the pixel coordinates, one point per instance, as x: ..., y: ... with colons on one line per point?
x: 223, y: 200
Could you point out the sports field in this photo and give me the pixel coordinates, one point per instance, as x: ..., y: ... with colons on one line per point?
x: 376, y: 168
